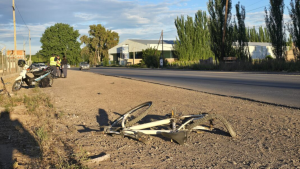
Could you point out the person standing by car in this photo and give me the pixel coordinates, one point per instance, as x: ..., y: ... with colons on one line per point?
x: 58, y: 63
x: 53, y: 64
x: 64, y: 64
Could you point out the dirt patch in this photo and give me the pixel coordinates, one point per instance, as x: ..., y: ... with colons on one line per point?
x: 268, y: 136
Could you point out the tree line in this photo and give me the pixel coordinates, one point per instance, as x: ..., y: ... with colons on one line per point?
x: 61, y: 39
x: 202, y: 37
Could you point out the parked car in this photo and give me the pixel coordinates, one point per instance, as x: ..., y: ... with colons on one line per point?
x: 84, y: 65
x: 37, y: 66
x: 68, y: 66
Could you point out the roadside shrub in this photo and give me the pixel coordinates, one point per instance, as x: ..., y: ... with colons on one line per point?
x: 105, y: 61
x: 269, y: 57
x: 256, y: 65
x: 151, y: 58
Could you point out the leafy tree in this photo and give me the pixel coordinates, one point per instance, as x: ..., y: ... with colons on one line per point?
x: 86, y: 54
x: 151, y: 57
x: 294, y: 29
x: 275, y: 26
x: 216, y: 10
x: 242, y: 50
x: 61, y: 39
x: 99, y: 41
x: 193, y: 42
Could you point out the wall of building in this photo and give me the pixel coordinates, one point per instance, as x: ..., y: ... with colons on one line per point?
x: 260, y: 52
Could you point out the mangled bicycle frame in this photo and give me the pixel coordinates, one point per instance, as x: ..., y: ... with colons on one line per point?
x: 180, y: 125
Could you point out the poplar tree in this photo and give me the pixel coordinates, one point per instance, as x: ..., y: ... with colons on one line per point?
x: 266, y: 35
x: 275, y: 26
x: 261, y: 34
x: 216, y: 10
x: 242, y: 50
x: 294, y: 28
x: 193, y: 37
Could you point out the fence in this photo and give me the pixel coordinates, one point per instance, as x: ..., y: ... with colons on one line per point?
x: 8, y: 63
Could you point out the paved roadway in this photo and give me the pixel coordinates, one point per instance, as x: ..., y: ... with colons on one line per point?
x: 275, y: 88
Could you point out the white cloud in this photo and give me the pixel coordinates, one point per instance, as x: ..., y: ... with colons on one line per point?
x: 131, y: 18
x: 88, y: 16
x: 258, y: 19
x: 137, y: 19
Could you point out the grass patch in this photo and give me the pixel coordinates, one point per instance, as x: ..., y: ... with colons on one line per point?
x: 82, y: 155
x: 40, y: 101
x: 39, y: 104
x: 42, y: 134
x: 74, y: 162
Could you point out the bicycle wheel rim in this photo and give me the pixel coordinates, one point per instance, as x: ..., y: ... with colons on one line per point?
x: 133, y: 115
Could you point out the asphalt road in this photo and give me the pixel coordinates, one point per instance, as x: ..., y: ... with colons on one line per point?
x: 274, y: 88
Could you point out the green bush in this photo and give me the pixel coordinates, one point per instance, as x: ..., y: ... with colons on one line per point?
x: 151, y: 58
x: 105, y: 61
x: 269, y: 57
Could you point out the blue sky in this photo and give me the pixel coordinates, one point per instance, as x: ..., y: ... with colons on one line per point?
x: 132, y: 19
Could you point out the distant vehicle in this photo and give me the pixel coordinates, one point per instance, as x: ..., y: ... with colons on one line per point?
x: 37, y: 66
x: 84, y: 65
x: 68, y: 66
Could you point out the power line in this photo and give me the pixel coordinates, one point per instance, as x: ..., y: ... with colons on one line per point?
x: 256, y: 8
x: 21, y: 17
x: 23, y: 21
x: 254, y: 3
x: 252, y: 9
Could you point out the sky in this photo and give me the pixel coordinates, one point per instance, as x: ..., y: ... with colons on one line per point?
x: 131, y: 19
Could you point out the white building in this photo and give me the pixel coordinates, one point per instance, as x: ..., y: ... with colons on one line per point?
x: 118, y: 54
x: 130, y: 50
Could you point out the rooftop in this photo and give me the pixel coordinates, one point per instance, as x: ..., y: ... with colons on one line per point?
x: 172, y: 42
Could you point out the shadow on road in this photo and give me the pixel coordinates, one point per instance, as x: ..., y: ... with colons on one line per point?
x: 102, y: 118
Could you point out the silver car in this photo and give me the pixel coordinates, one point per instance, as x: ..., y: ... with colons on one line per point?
x: 84, y: 65
x: 37, y: 66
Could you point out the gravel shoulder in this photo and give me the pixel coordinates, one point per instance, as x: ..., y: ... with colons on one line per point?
x: 268, y: 136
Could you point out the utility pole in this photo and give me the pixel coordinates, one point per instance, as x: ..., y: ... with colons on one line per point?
x: 224, y: 29
x: 162, y: 42
x: 15, y: 34
x: 29, y: 47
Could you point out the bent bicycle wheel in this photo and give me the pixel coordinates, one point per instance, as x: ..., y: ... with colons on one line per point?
x: 134, y: 115
x: 209, y: 117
